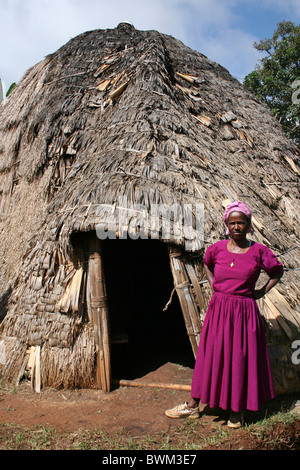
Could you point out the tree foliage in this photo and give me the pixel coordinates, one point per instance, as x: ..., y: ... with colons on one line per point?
x: 276, y: 79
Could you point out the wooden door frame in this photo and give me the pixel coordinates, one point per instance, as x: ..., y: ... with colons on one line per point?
x: 98, y: 313
x: 193, y: 302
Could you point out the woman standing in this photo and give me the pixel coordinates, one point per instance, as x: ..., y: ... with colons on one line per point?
x: 232, y: 369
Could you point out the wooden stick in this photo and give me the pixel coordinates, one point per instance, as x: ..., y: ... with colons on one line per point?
x: 133, y: 383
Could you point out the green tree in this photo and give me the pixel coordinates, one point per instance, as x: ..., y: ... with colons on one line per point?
x: 276, y: 79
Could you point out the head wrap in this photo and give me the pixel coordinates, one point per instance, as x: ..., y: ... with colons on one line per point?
x: 239, y: 207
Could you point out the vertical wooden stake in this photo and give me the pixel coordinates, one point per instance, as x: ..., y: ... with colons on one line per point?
x: 98, y: 310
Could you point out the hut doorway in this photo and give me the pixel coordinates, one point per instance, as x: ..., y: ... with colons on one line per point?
x: 143, y: 336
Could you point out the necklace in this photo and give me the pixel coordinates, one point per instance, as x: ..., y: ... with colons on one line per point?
x: 237, y: 253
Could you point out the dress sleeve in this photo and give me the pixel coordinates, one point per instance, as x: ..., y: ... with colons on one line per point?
x: 271, y: 265
x: 209, y: 258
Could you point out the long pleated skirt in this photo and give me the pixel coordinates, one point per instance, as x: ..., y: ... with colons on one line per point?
x: 232, y: 369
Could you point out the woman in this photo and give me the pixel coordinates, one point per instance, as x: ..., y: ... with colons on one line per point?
x: 232, y: 369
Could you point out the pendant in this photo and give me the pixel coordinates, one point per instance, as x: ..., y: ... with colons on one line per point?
x: 232, y: 264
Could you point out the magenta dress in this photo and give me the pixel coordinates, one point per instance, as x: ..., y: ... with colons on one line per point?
x: 232, y: 369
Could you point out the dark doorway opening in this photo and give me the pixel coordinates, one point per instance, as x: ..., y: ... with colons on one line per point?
x: 139, y: 283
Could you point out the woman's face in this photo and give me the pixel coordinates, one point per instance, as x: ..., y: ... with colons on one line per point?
x: 238, y: 225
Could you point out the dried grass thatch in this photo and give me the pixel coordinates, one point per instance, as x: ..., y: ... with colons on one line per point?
x: 124, y: 113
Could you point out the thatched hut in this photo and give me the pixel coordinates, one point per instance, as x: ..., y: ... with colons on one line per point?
x: 124, y: 118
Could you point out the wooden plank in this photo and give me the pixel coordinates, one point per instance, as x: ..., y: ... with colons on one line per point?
x: 36, y: 370
x: 21, y: 371
x: 195, y: 282
x: 283, y: 306
x: 179, y: 284
x: 270, y: 318
x: 279, y: 318
x: 190, y: 277
x: 183, y: 289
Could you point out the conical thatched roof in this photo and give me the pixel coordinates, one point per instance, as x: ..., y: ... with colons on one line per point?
x: 137, y: 114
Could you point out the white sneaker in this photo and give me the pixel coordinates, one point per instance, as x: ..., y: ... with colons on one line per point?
x: 183, y: 411
x: 236, y: 420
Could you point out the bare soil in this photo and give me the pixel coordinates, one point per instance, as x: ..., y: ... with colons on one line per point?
x: 138, y: 412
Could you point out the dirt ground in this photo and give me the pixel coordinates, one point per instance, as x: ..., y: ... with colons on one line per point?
x: 134, y: 411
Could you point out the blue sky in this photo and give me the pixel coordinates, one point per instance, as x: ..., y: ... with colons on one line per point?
x: 223, y: 30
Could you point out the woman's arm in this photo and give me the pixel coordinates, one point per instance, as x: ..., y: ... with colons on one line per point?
x: 259, y: 293
x: 209, y: 275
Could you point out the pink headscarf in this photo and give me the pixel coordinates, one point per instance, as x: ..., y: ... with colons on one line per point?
x: 239, y: 207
